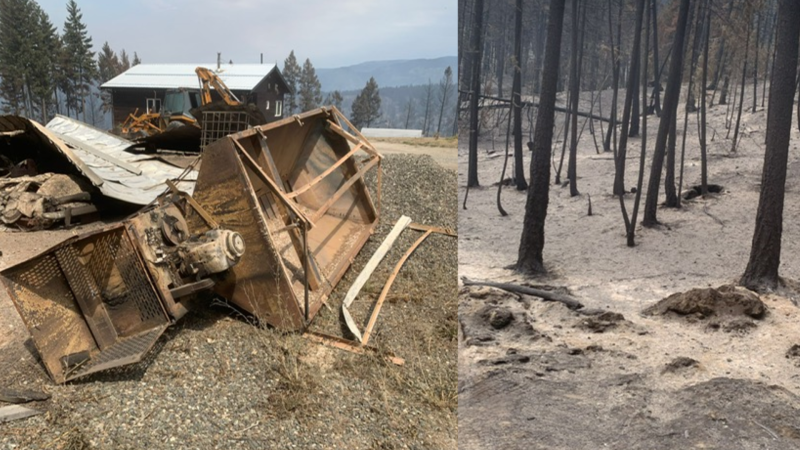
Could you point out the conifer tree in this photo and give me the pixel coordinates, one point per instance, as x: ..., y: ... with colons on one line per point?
x: 367, y: 105
x: 335, y: 99
x: 291, y: 73
x: 78, y: 59
x: 310, y: 92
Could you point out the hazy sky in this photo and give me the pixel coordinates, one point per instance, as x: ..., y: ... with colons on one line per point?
x: 332, y: 33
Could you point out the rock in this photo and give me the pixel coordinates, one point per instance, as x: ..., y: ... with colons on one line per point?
x: 679, y: 363
x: 500, y: 318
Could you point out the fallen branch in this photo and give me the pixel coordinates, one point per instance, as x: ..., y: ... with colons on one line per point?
x: 548, y: 296
x: 526, y: 104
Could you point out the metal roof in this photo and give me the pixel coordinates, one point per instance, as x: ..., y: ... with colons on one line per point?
x: 101, y: 157
x: 243, y: 77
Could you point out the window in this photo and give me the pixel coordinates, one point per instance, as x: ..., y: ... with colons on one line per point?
x: 266, y: 106
x: 278, y: 108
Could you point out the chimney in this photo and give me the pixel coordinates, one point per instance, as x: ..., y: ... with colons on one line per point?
x: 219, y: 58
x: 262, y: 58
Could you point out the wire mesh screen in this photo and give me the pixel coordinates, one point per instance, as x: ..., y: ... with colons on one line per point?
x: 218, y: 124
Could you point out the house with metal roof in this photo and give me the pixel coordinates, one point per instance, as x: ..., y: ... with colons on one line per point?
x: 143, y: 86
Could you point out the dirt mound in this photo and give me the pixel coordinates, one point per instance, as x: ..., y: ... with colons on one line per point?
x: 728, y: 307
x: 486, y: 313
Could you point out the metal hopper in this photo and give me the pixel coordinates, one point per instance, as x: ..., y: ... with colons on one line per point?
x: 290, y: 188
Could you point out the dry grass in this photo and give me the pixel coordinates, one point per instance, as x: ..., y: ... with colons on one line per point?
x: 446, y: 142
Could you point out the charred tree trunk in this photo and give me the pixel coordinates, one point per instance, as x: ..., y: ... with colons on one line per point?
x: 615, y: 77
x: 476, y: 48
x: 741, y: 93
x: 672, y: 199
x: 656, y: 68
x: 762, y: 268
x: 532, y: 241
x: 519, y: 169
x: 755, y: 63
x: 703, y: 143
x: 575, y: 87
x: 631, y: 225
x: 619, y: 179
x: 667, y: 115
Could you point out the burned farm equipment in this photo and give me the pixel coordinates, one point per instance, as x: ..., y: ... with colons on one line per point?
x: 102, y: 299
x: 189, y: 119
x: 292, y: 193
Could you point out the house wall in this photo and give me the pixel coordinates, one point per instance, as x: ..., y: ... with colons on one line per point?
x: 268, y: 96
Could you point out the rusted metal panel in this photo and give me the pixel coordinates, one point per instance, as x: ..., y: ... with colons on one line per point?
x: 304, y: 170
x: 88, y: 303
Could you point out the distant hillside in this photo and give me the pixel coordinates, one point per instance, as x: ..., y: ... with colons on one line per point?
x: 387, y: 73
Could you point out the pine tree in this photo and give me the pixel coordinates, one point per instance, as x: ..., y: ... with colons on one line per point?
x: 335, y: 99
x: 136, y: 60
x: 41, y: 85
x: 13, y: 47
x: 28, y: 42
x: 367, y: 105
x: 310, y: 92
x: 124, y: 62
x: 108, y: 67
x: 291, y: 73
x: 79, y: 63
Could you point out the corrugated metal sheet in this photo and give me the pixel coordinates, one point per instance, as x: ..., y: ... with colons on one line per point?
x: 130, y: 177
x: 172, y: 76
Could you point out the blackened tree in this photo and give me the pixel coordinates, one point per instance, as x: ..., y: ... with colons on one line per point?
x: 532, y: 241
x: 765, y: 254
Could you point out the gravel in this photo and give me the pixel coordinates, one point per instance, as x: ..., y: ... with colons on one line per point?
x: 215, y: 380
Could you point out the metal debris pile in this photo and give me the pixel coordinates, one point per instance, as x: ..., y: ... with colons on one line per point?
x: 40, y: 201
x: 276, y: 216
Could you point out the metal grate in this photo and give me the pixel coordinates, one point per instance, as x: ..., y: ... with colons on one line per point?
x: 41, y: 273
x: 126, y: 351
x: 218, y: 124
x: 139, y: 290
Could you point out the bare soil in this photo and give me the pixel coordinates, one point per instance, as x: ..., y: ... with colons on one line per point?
x: 218, y: 380
x: 561, y: 379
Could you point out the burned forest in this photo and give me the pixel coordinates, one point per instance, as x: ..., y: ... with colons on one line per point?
x: 628, y: 264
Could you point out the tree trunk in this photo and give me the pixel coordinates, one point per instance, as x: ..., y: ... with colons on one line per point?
x: 519, y: 169
x: 631, y: 226
x: 476, y: 48
x: 667, y: 115
x: 656, y: 68
x: 619, y: 178
x: 615, y: 80
x: 703, y: 118
x: 762, y: 268
x: 575, y: 87
x: 741, y: 93
x: 755, y: 63
x: 532, y: 241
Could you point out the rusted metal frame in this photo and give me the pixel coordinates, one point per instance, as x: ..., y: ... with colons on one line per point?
x: 193, y: 203
x: 362, y: 277
x: 441, y: 230
x: 351, y: 346
x: 342, y: 117
x: 272, y: 185
x: 309, y: 277
x: 333, y: 126
x: 305, y: 271
x: 358, y: 176
x: 87, y: 296
x: 328, y: 171
x: 374, y: 317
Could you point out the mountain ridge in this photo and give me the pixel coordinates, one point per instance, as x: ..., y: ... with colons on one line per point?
x: 389, y: 73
